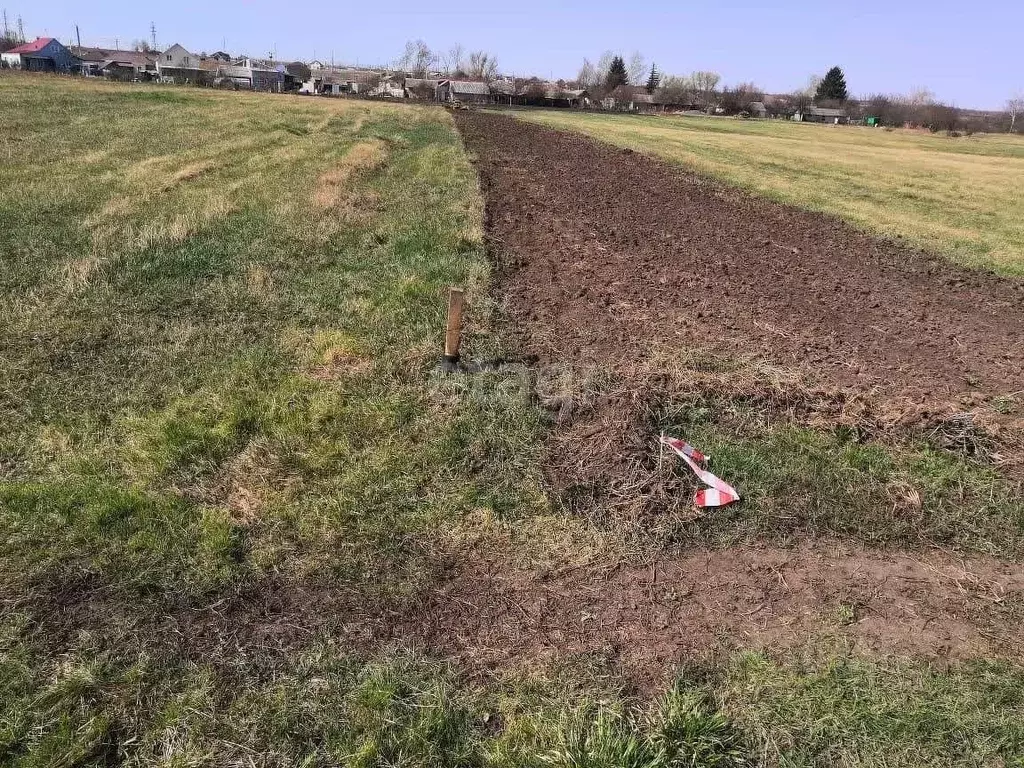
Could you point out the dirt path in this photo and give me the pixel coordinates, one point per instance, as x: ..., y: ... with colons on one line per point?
x: 609, y: 252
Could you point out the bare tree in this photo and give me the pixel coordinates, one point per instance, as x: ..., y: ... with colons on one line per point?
x: 675, y: 90
x: 738, y: 99
x: 482, y: 66
x: 604, y: 63
x: 453, y: 59
x: 142, y: 46
x: 704, y: 84
x: 417, y: 58
x: 1015, y: 107
x: 588, y: 76
x: 637, y: 69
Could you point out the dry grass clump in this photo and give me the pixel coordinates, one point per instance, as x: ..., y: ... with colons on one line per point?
x: 249, y: 481
x: 333, y: 186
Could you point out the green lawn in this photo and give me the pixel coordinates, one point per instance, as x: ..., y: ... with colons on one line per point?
x: 962, y: 197
x: 220, y: 318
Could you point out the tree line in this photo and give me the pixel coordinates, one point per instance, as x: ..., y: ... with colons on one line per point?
x: 700, y: 90
x: 420, y: 61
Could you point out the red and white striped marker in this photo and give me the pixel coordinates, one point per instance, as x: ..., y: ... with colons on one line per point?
x: 720, y: 493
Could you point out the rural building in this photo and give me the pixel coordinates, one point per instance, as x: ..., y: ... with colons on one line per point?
x: 388, y: 88
x: 503, y: 91
x: 44, y: 54
x: 220, y: 56
x: 549, y: 95
x: 465, y: 91
x: 665, y: 102
x: 633, y: 98
x: 251, y: 77
x: 328, y: 81
x: 116, y: 64
x: 357, y: 80
x: 421, y: 88
x: 758, y: 109
x: 821, y: 115
x: 178, y: 65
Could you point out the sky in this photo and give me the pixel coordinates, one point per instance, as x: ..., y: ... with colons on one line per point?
x: 967, y: 53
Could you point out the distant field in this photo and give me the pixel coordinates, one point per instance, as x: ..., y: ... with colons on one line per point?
x: 963, y: 197
x: 233, y: 487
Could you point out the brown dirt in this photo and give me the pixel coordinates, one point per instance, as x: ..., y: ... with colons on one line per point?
x: 609, y: 254
x: 488, y: 606
x: 649, y: 618
x: 490, y: 610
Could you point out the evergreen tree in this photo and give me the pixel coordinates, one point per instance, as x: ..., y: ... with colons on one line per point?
x: 833, y: 87
x: 617, y: 74
x: 654, y: 80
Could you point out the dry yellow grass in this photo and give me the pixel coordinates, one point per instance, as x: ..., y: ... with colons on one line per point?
x: 333, y: 186
x: 963, y: 197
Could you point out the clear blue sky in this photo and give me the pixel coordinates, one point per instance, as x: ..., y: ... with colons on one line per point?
x: 967, y: 53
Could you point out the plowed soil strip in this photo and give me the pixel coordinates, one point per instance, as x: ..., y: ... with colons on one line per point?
x: 605, y: 254
x: 609, y: 251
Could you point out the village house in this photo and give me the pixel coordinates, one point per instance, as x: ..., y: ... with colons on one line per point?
x: 421, y: 88
x: 44, y: 54
x: 503, y: 91
x: 116, y: 64
x: 251, y: 77
x: 821, y: 115
x: 388, y: 88
x: 334, y: 81
x: 178, y: 65
x: 546, y: 94
x: 630, y: 98
x: 464, y: 91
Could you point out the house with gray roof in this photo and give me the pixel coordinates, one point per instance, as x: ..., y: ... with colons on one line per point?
x: 115, y: 63
x: 179, y: 65
x: 821, y: 115
x: 465, y: 91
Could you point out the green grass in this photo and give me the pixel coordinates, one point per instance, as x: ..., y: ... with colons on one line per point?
x: 221, y: 317
x: 958, y: 196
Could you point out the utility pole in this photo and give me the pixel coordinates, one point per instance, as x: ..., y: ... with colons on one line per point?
x: 152, y: 34
x: 21, y: 30
x: 78, y: 36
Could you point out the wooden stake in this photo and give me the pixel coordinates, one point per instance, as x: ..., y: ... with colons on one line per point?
x: 453, y: 334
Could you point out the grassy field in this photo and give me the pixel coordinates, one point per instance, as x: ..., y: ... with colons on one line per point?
x: 962, y: 197
x: 220, y: 317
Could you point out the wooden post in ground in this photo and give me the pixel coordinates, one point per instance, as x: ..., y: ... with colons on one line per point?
x: 453, y: 332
